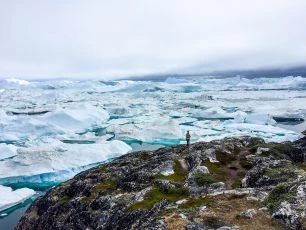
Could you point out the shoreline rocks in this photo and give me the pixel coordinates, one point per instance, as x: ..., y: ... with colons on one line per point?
x: 243, y: 183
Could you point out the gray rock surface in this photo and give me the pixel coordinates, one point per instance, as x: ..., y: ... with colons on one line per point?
x: 143, y: 190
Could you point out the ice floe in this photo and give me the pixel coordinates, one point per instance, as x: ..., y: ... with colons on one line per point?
x: 41, y: 163
x: 51, y: 130
x: 7, y: 151
x: 10, y: 197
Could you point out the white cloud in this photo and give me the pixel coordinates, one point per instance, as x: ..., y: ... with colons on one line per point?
x: 43, y: 39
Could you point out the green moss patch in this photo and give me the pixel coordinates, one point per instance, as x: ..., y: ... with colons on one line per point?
x: 303, y: 222
x: 197, y: 202
x: 245, y: 163
x: 216, y: 170
x: 236, y: 184
x: 282, y: 173
x: 100, y: 169
x: 212, y: 167
x: 204, y: 179
x: 107, y: 185
x: 64, y: 200
x: 225, y: 158
x: 264, y: 155
x: 301, y: 166
x: 156, y: 194
x: 255, y: 142
x: 179, y: 174
x: 277, y: 195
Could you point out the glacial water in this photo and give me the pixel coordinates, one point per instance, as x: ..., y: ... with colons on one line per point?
x: 51, y: 130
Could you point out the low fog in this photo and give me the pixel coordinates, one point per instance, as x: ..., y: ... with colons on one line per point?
x: 110, y: 39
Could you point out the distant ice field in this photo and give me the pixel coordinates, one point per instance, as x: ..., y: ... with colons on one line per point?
x: 51, y: 130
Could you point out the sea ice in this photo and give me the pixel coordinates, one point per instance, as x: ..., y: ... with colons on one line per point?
x: 84, y: 114
x: 149, y: 130
x: 56, y: 156
x: 7, y: 151
x: 10, y: 197
x: 76, y: 119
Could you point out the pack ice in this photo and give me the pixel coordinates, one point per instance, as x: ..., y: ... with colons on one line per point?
x: 10, y: 197
x: 56, y: 161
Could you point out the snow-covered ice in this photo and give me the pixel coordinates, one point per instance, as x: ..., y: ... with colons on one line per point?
x: 10, y: 197
x: 7, y: 151
x: 57, y: 158
x: 51, y: 130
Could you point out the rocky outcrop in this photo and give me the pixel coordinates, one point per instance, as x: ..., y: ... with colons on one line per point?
x: 234, y: 183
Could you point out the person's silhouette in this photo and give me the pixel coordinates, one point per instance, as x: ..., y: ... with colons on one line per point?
x: 188, y: 138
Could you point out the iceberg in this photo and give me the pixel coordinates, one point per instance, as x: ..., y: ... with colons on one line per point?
x: 10, y: 197
x: 175, y: 80
x: 75, y: 119
x: 215, y: 113
x: 7, y: 151
x: 150, y: 130
x: 253, y: 118
x: 65, y: 120
x: 267, y: 132
x: 56, y: 156
x: 51, y: 130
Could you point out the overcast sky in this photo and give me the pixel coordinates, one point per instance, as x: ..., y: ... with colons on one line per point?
x: 111, y: 38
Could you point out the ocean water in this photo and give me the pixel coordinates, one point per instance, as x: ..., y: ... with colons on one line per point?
x: 51, y: 130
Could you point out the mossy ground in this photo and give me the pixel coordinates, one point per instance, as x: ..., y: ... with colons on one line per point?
x: 222, y: 210
x: 225, y: 158
x: 216, y: 171
x: 100, y: 169
x: 179, y: 174
x: 204, y: 179
x: 197, y: 202
x: 157, y: 194
x: 106, y: 186
x: 301, y: 166
x: 64, y: 200
x: 279, y: 194
x: 226, y: 212
x: 284, y: 172
x: 230, y: 169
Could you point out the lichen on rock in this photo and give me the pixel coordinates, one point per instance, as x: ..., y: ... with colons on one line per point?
x: 232, y: 183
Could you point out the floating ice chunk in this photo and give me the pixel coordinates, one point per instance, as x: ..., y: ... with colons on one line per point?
x: 214, y: 113
x: 260, y: 119
x: 268, y: 132
x: 10, y: 198
x: 258, y: 128
x: 163, y: 128
x: 56, y: 156
x: 174, y: 80
x: 119, y: 121
x: 7, y: 151
x: 76, y: 119
x: 186, y: 120
x: 17, y: 81
x: 197, y: 133
x: 253, y: 118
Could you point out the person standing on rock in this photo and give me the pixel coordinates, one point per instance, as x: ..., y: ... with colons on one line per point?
x: 188, y: 138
